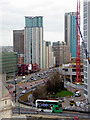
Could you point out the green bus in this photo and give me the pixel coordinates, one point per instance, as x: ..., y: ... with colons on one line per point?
x: 49, y: 106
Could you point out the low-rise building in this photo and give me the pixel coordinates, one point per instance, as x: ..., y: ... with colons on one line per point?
x: 69, y: 71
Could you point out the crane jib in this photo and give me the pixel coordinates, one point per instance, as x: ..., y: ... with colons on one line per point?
x: 87, y: 53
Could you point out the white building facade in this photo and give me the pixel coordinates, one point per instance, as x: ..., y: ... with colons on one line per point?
x: 86, y: 29
x: 34, y: 41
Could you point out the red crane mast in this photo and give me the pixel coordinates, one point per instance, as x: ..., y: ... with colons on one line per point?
x: 78, y: 62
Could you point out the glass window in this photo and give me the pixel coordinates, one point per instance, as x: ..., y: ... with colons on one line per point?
x: 85, y: 15
x: 85, y: 8
x: 85, y: 21
x: 85, y: 33
x: 85, y: 80
x: 85, y: 27
x: 85, y: 92
x: 73, y: 70
x: 85, y: 74
x: 5, y: 102
x: 85, y: 68
x: 85, y: 86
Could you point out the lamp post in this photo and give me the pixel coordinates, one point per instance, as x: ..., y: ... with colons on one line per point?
x: 15, y: 89
x: 16, y: 96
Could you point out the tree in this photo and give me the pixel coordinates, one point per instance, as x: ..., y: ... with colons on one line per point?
x: 55, y: 83
x: 39, y: 93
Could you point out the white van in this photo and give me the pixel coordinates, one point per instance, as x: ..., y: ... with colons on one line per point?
x: 23, y: 92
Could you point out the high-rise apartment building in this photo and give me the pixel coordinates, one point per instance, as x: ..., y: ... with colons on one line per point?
x: 61, y: 52
x: 18, y: 41
x: 86, y: 29
x: 34, y: 41
x: 70, y: 32
x: 50, y: 58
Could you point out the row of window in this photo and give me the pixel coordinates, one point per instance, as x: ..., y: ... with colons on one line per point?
x: 73, y: 70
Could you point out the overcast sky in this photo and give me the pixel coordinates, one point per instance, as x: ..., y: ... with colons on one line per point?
x: 13, y: 12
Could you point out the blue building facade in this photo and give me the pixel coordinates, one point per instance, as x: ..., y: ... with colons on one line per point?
x: 70, y: 32
x: 34, y: 21
x: 73, y: 36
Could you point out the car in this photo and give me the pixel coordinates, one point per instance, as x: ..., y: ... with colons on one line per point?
x: 34, y: 79
x: 77, y: 94
x: 72, y: 102
x: 23, y: 92
x: 23, y: 77
x: 20, y: 87
x: 78, y: 103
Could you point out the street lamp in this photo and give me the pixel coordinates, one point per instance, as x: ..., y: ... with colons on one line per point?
x: 15, y: 89
x: 16, y: 95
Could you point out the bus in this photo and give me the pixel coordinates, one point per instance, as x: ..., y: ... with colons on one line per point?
x: 49, y: 106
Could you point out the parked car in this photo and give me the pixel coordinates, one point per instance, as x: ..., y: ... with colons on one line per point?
x: 77, y: 94
x: 23, y: 92
x: 72, y: 102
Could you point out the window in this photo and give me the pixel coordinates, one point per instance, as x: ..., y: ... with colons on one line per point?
x: 85, y: 21
x: 5, y: 102
x: 85, y: 15
x: 81, y: 70
x: 85, y: 74
x: 85, y: 86
x: 85, y: 92
x: 85, y: 69
x: 66, y: 69
x: 85, y: 63
x: 85, y: 80
x: 73, y: 70
x: 85, y: 27
x: 85, y: 33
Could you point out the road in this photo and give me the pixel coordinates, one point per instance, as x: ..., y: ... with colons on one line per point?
x: 22, y: 110
x: 30, y: 84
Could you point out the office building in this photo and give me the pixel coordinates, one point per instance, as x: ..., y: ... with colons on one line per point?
x: 86, y: 29
x: 33, y: 47
x: 70, y: 32
x: 18, y: 41
x: 8, y: 63
x: 61, y: 53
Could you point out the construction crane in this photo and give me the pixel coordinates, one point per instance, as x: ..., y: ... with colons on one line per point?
x: 78, y: 60
x: 83, y: 43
